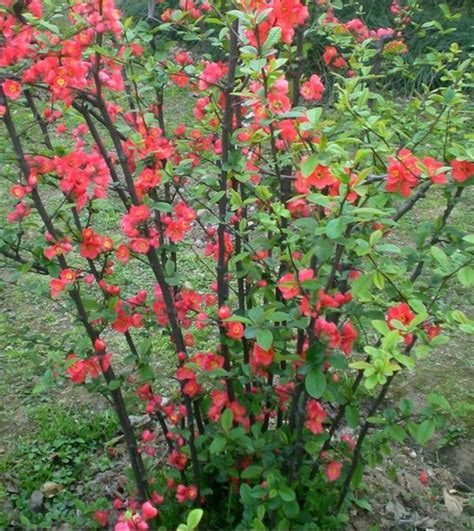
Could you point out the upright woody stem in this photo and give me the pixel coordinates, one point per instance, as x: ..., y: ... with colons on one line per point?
x: 227, y: 128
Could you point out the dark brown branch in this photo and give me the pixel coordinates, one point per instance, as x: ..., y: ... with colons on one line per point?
x: 227, y: 121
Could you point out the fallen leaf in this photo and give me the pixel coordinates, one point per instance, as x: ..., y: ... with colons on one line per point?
x: 50, y: 488
x: 454, y: 504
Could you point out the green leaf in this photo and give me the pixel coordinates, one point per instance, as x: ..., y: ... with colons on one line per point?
x: 335, y: 228
x: 435, y: 399
x: 217, y: 196
x: 375, y: 237
x: 440, y: 256
x: 194, y: 518
x: 361, y: 287
x: 309, y: 165
x: 314, y: 115
x: 388, y: 248
x: 315, y: 352
x: 338, y: 361
x: 162, y: 206
x: 246, y: 494
x: 291, y: 509
x: 274, y: 36
x: 352, y: 416
x: 379, y: 280
x: 376, y: 420
x: 217, y: 445
x: 363, y: 504
x: 380, y: 326
x: 146, y: 372
x: 406, y: 407
x: 315, y: 383
x: 391, y: 339
x: 264, y: 339
x: 466, y: 276
x: 114, y: 384
x: 360, y: 365
x: 405, y: 360
x: 423, y: 432
x: 319, y: 199
x: 397, y: 433
x: 252, y: 472
x: 287, y: 494
x: 227, y: 418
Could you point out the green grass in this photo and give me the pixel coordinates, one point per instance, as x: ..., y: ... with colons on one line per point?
x: 64, y: 445
x: 449, y: 370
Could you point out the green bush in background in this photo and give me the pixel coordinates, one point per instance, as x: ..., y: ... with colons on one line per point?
x: 456, y: 17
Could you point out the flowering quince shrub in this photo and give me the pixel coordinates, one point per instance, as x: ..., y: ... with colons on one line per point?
x: 298, y: 196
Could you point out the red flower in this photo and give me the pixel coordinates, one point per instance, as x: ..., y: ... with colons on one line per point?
x: 178, y: 460
x: 319, y: 178
x: 312, y: 89
x: 91, y: 245
x: 102, y: 518
x: 12, y: 89
x: 176, y: 229
x: 181, y: 493
x: 18, y: 191
x: 67, y: 276
x: 288, y: 286
x: 432, y: 330
x: 315, y: 416
x: 79, y: 370
x: 462, y: 170
x: 333, y: 58
x: 139, y: 245
x: 289, y: 14
x: 423, y: 477
x: 192, y: 492
x: 224, y: 312
x: 403, y: 173
x: 333, y: 470
x: 122, y: 323
x: 191, y: 388
x: 56, y: 286
x: 432, y: 167
x: 401, y: 313
x: 348, y: 336
x: 211, y: 74
x: 279, y: 103
x: 327, y: 330
x: 122, y: 254
x: 148, y: 511
x: 235, y: 330
x: 305, y: 274
x: 261, y: 357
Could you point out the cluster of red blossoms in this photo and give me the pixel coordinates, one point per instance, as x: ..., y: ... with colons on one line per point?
x: 403, y: 315
x: 80, y: 369
x: 190, y: 9
x: 188, y: 377
x: 404, y: 170
x: 135, y: 516
x: 319, y: 178
x: 79, y: 172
